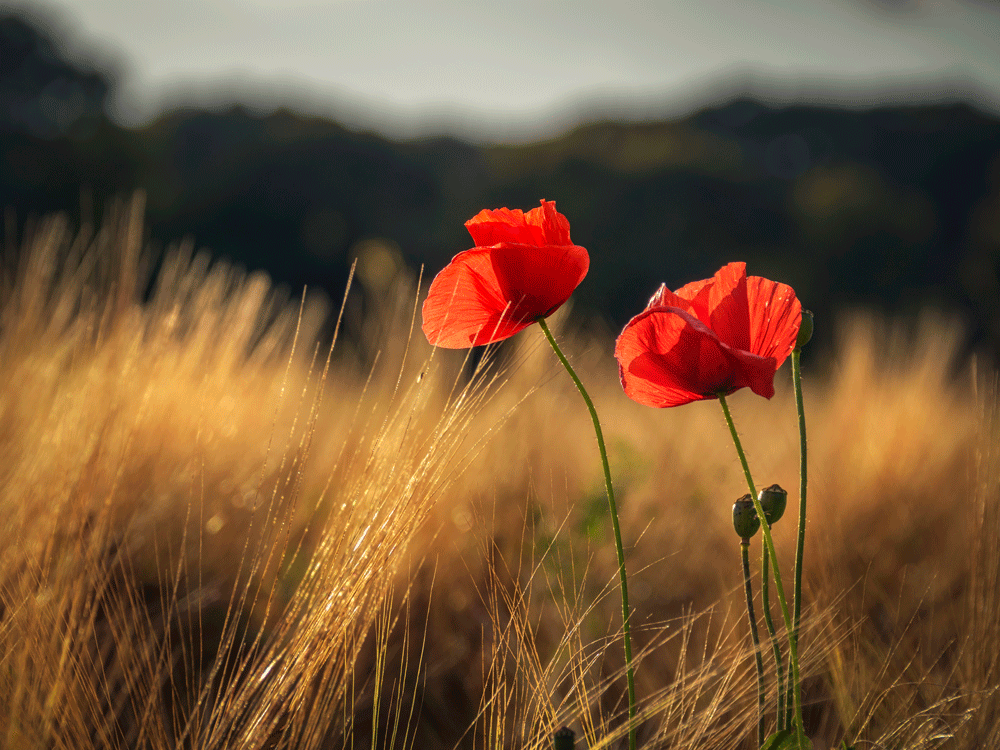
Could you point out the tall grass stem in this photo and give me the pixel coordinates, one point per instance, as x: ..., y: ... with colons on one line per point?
x: 612, y: 506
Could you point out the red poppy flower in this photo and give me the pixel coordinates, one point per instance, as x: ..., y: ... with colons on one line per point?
x: 522, y: 269
x: 709, y: 337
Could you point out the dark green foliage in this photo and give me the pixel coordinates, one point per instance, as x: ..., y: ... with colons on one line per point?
x: 786, y: 739
x: 564, y: 739
x: 805, y: 330
x: 890, y: 207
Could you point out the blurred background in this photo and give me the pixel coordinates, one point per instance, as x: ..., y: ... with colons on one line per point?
x: 850, y: 148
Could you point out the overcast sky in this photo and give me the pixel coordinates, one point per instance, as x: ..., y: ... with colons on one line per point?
x: 496, y: 69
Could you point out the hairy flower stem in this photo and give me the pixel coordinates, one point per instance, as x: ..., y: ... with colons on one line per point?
x: 626, y: 629
x: 803, y: 481
x: 745, y: 554
x: 765, y: 528
x: 765, y: 601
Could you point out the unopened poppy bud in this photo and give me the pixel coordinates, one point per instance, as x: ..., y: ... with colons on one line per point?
x: 745, y: 519
x: 805, y: 330
x: 564, y: 739
x: 773, y: 500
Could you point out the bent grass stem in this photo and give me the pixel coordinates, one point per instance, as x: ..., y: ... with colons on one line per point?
x: 626, y: 630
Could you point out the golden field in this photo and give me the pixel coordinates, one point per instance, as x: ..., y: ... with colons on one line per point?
x: 218, y: 532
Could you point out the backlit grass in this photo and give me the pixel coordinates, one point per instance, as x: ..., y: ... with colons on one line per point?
x: 219, y: 532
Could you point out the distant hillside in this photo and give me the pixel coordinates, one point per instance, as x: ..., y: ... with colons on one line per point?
x: 890, y: 207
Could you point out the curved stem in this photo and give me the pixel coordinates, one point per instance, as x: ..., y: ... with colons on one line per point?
x: 803, y: 481
x: 746, y: 467
x: 745, y: 554
x: 626, y: 629
x: 765, y: 528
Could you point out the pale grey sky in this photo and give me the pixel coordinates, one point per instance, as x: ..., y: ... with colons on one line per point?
x: 494, y: 69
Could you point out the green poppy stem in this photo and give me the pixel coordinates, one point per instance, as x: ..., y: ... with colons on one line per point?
x: 747, y: 586
x: 626, y: 629
x: 765, y: 528
x: 765, y: 600
x: 803, y: 481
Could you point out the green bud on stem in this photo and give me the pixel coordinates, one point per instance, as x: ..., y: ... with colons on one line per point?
x: 773, y: 500
x: 805, y: 330
x: 564, y: 739
x: 745, y: 520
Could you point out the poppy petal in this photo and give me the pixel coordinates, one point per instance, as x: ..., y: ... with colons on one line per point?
x: 667, y: 357
x: 728, y: 307
x: 553, y: 225
x: 695, y: 296
x: 660, y: 354
x: 775, y: 315
x: 465, y: 307
x: 491, y: 227
x: 691, y: 290
x: 522, y: 269
x: 663, y: 297
x: 538, y: 280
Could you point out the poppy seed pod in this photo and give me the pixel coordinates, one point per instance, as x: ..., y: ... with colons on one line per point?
x: 745, y: 519
x: 564, y: 739
x: 773, y: 500
x: 805, y: 329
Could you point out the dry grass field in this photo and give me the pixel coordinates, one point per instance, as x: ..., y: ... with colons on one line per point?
x: 216, y: 532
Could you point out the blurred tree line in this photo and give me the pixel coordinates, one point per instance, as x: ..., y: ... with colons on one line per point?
x: 891, y: 208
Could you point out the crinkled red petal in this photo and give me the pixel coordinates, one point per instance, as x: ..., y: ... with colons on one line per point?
x: 465, y: 306
x: 489, y: 294
x: 728, y: 309
x: 540, y: 226
x: 667, y: 357
x: 695, y: 296
x: 523, y: 268
x: 663, y: 297
x: 775, y: 318
x: 553, y: 225
x: 491, y: 227
x: 751, y: 313
x: 536, y: 281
